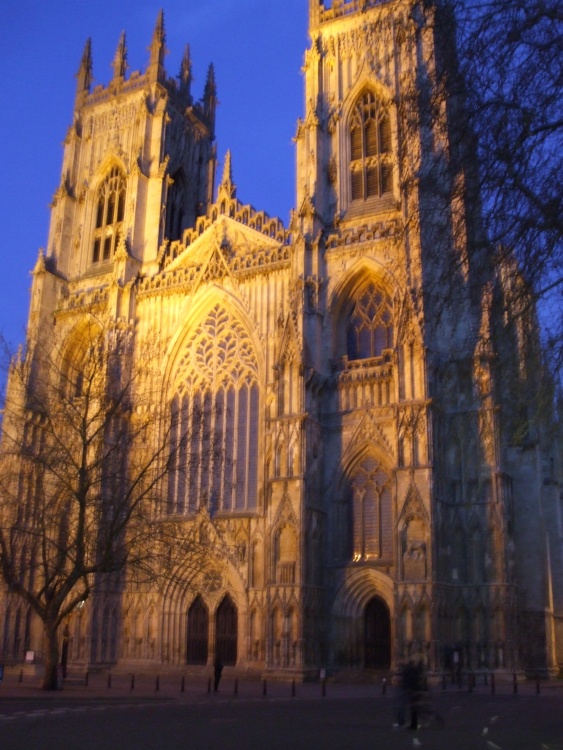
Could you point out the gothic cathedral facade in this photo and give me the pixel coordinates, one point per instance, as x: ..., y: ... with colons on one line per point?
x: 382, y: 508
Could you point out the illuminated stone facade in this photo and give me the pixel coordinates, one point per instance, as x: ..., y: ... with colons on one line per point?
x: 380, y: 508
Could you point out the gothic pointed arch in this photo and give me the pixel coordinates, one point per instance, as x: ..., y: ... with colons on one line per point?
x: 108, y: 212
x: 82, y: 358
x: 368, y: 433
x: 414, y: 541
x: 363, y: 519
x: 362, y: 309
x: 214, y: 410
x: 226, y: 631
x: 197, y: 632
x: 377, y: 634
x: 367, y: 146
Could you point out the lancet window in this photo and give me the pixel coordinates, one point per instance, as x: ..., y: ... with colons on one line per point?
x: 214, y: 421
x: 366, y: 530
x: 370, y: 326
x: 370, y: 149
x: 109, y: 216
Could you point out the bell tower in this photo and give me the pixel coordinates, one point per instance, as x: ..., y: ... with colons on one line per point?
x: 347, y: 138
x: 138, y: 169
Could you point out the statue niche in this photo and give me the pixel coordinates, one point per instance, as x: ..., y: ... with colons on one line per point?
x: 413, y: 547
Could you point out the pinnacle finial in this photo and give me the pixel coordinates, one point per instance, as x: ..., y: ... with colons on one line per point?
x: 186, y: 71
x: 227, y: 187
x: 210, y: 85
x: 159, y: 34
x: 210, y: 97
x: 227, y: 170
x: 84, y: 75
x: 120, y: 60
x: 157, y: 48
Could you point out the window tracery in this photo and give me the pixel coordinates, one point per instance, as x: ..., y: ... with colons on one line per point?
x: 370, y: 326
x: 370, y: 149
x: 214, y: 429
x: 367, y: 530
x: 110, y: 213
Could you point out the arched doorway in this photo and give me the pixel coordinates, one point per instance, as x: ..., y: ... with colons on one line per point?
x: 377, y: 635
x: 226, y: 628
x: 198, y: 632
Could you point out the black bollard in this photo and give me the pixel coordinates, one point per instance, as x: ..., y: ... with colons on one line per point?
x: 486, y: 680
x: 86, y: 678
x: 264, y: 687
x: 384, y: 686
x: 514, y: 684
x: 293, y: 688
x: 492, y: 683
x: 132, y: 682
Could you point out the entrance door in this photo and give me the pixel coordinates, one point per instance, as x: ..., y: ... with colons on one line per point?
x: 198, y: 632
x: 377, y: 635
x: 226, y: 632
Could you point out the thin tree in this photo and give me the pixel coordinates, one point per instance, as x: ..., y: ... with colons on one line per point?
x: 85, y: 450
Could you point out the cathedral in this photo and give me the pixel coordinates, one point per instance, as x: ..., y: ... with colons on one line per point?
x: 383, y: 487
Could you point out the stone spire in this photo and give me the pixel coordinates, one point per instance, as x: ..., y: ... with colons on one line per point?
x: 210, y: 98
x: 158, y: 50
x: 227, y: 188
x: 84, y: 76
x: 186, y: 72
x: 120, y: 60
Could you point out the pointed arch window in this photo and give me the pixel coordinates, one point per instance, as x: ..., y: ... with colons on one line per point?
x: 370, y: 516
x: 370, y: 149
x: 214, y: 421
x: 370, y: 325
x: 110, y: 213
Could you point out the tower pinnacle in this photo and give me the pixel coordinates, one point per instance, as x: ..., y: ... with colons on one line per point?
x: 226, y: 186
x: 120, y: 60
x: 84, y: 74
x: 158, y: 49
x: 186, y: 71
x: 210, y: 97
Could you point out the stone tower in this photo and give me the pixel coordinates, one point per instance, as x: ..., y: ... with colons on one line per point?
x: 138, y: 168
x: 373, y: 499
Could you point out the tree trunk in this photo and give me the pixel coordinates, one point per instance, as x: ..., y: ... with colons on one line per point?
x: 50, y: 678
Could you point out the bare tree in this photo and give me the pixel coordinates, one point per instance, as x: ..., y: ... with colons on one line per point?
x: 84, y: 454
x: 511, y: 78
x: 481, y: 151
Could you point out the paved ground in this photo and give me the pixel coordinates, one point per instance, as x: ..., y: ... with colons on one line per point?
x: 241, y: 717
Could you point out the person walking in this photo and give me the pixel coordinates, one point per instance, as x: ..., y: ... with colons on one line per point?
x: 409, y: 695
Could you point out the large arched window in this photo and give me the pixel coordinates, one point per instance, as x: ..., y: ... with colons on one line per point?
x: 215, y: 424
x: 370, y: 326
x: 369, y: 521
x: 110, y: 213
x: 370, y: 149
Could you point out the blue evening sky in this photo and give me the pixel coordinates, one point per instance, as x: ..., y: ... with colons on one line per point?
x: 256, y: 46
